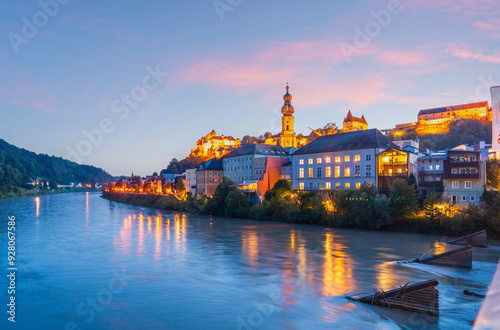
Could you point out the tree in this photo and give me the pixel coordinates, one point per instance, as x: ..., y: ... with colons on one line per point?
x: 403, y: 200
x: 218, y: 203
x: 179, y: 186
x: 237, y: 204
x: 493, y: 173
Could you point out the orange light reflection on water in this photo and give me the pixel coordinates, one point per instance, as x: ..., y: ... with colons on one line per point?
x: 337, y: 276
x: 250, y: 246
x: 37, y: 202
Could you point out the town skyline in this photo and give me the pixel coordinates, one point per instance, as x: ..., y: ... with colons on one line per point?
x: 234, y: 87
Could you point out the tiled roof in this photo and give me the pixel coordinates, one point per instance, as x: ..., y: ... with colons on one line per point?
x: 453, y: 108
x: 367, y: 139
x: 259, y: 149
x: 213, y: 165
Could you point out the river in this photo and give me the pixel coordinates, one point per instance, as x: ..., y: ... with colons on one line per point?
x: 85, y: 262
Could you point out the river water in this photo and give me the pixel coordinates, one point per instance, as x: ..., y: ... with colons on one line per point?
x: 85, y: 262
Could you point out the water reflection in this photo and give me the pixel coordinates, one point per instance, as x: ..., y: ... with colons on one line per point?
x: 337, y: 267
x: 250, y: 247
x: 37, y: 202
x: 158, y: 236
x: 140, y: 225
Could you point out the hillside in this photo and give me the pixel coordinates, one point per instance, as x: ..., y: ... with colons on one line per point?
x: 18, y: 165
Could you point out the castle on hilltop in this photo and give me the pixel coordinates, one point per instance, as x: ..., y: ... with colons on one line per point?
x: 213, y: 146
x: 352, y: 123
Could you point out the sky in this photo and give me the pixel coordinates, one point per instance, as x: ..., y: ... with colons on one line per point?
x: 129, y: 85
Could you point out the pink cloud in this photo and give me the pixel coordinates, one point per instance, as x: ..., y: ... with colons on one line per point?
x: 489, y: 26
x: 463, y: 51
x: 33, y: 96
x: 317, y: 69
x: 465, y: 7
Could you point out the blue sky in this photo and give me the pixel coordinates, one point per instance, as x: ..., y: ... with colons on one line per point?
x: 226, y: 67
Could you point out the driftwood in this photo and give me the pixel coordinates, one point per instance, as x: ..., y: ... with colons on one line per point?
x: 421, y: 297
x: 460, y: 257
x: 479, y: 239
x: 470, y: 293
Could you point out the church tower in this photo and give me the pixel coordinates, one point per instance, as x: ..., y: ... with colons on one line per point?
x: 287, y: 135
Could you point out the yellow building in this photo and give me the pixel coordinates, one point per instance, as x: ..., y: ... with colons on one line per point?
x: 287, y: 135
x: 352, y: 123
x: 213, y: 146
x: 437, y: 120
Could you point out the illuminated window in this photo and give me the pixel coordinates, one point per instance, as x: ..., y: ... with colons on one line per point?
x: 430, y: 167
x: 327, y: 160
x: 337, y: 159
x: 347, y: 171
x: 301, y: 185
x: 357, y: 158
x: 319, y: 186
x: 318, y: 160
x: 328, y: 185
x: 328, y: 172
x: 301, y: 172
x: 337, y: 185
x: 347, y: 185
x: 347, y: 158
x: 318, y: 172
x: 358, y: 185
x: 468, y: 184
x: 337, y: 171
x: 301, y: 162
x: 454, y: 184
x: 310, y: 172
x: 438, y: 167
x: 357, y: 170
x: 310, y: 161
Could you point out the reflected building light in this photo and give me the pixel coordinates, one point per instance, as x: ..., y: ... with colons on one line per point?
x: 149, y: 224
x: 250, y: 246
x: 37, y: 202
x: 140, y: 248
x: 337, y: 277
x: 292, y: 240
x: 168, y: 229
x: 158, y: 236
x: 87, y: 206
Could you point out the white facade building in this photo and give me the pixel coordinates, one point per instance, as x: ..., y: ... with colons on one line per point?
x: 191, y: 181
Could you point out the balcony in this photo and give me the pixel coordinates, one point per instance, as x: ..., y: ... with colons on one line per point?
x: 464, y: 164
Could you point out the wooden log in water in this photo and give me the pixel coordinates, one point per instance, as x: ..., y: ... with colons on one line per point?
x: 460, y: 257
x: 479, y: 239
x: 421, y: 297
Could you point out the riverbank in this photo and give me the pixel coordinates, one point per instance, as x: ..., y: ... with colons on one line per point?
x: 318, y: 212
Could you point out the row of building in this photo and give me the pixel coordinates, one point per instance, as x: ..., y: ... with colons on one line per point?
x: 347, y: 161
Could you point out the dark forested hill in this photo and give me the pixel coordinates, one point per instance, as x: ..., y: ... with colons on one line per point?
x: 18, y: 165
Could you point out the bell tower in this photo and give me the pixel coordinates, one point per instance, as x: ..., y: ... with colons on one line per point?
x: 287, y: 135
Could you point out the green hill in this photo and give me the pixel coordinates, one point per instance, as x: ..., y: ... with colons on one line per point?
x: 18, y: 165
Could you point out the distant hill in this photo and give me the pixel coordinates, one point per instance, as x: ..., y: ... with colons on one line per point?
x: 18, y: 165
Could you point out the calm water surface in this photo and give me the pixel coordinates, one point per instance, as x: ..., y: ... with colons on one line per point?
x: 87, y: 262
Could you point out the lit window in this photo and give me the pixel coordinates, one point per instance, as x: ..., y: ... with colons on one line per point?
x: 301, y: 172
x: 301, y: 185
x: 468, y: 184
x: 327, y: 160
x: 337, y: 171
x: 454, y: 184
x: 337, y: 185
x: 358, y: 185
x: 357, y: 158
x: 357, y: 170
x: 318, y: 160
x: 368, y: 158
x: 310, y: 161
x: 328, y: 185
x: 328, y: 172
x: 347, y: 158
x: 438, y: 167
x: 347, y: 185
x: 301, y: 162
x: 347, y: 171
x: 337, y: 159
x: 319, y: 186
x: 472, y: 198
x: 310, y: 172
x: 430, y: 167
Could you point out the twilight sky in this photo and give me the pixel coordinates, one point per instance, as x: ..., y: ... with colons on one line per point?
x: 193, y: 66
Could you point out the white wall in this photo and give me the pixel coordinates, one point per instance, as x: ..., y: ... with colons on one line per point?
x: 495, y: 101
